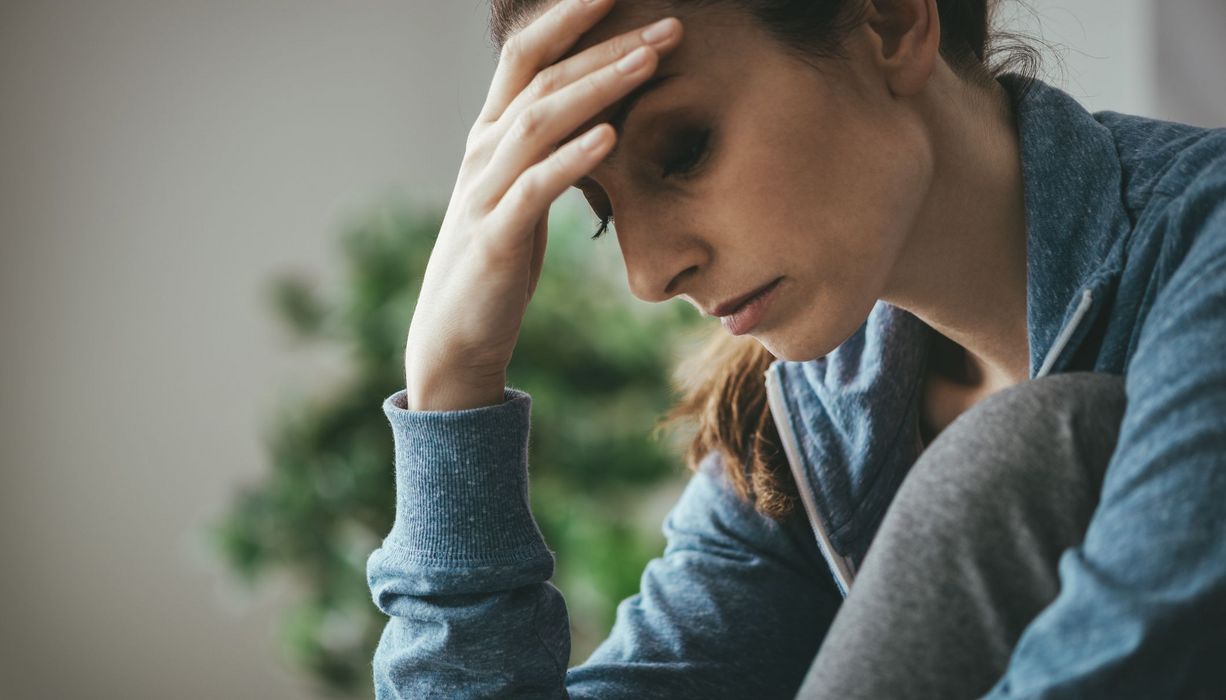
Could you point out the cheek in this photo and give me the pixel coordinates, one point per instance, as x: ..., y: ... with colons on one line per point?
x: 833, y: 214
x: 864, y: 199
x: 835, y: 205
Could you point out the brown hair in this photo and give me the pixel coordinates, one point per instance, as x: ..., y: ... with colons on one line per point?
x: 723, y: 386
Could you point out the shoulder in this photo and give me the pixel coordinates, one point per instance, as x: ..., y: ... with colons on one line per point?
x: 1173, y: 187
x: 1164, y: 160
x: 1182, y: 235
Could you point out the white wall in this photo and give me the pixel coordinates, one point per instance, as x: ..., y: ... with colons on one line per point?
x: 158, y: 162
x: 1163, y: 60
x: 1190, y: 61
x: 1100, y: 49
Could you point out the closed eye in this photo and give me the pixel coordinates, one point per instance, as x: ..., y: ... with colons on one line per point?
x: 604, y: 226
x: 590, y: 189
x: 691, y: 150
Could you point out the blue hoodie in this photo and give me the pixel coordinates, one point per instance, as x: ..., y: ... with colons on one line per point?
x: 1126, y: 237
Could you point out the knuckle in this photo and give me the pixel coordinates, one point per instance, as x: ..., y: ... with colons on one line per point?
x: 512, y: 50
x: 483, y: 140
x: 620, y: 47
x: 528, y: 188
x: 557, y: 163
x: 545, y: 83
x: 475, y: 159
x: 471, y: 160
x: 474, y: 138
x: 528, y: 124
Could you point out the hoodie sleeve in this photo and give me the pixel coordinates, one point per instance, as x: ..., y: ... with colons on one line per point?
x: 735, y: 607
x: 1141, y: 611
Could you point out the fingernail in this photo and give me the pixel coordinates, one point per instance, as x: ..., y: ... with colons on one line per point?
x: 635, y: 59
x: 659, y: 31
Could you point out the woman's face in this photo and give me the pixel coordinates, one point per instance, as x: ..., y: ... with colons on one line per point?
x: 748, y: 165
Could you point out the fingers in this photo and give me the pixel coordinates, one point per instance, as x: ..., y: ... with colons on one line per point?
x: 663, y: 36
x: 536, y: 129
x: 536, y: 46
x: 532, y: 193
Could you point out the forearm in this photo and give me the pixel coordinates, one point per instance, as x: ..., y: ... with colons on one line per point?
x: 463, y: 572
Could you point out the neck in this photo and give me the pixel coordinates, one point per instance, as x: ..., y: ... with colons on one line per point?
x: 963, y: 269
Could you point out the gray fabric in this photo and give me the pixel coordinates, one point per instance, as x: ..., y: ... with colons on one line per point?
x: 967, y: 553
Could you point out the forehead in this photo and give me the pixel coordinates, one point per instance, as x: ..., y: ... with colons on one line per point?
x: 624, y: 17
x: 715, y: 44
x: 627, y: 15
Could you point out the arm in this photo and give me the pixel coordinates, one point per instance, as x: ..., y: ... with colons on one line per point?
x: 1142, y: 606
x: 736, y: 607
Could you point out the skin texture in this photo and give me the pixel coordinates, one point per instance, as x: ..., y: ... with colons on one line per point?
x: 882, y: 177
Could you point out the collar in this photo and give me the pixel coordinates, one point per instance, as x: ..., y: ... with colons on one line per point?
x: 1076, y: 222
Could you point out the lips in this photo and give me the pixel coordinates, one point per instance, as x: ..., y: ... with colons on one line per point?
x: 731, y: 306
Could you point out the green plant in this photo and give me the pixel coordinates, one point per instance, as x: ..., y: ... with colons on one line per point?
x: 596, y: 363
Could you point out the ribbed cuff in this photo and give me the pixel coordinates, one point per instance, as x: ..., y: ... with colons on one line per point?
x: 462, y: 483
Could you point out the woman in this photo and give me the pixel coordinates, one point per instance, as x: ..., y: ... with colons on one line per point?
x: 927, y: 269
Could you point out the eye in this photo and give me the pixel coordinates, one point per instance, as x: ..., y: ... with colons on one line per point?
x: 589, y: 193
x: 604, y: 226
x: 691, y: 150
x: 689, y: 154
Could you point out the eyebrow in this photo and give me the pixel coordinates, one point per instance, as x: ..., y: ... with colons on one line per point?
x: 622, y: 112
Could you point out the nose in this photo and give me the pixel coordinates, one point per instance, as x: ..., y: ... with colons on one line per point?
x: 660, y: 262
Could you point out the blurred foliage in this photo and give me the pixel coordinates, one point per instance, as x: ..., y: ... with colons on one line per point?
x: 596, y: 363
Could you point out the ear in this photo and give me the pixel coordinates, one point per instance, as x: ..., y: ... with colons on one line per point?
x: 906, y: 41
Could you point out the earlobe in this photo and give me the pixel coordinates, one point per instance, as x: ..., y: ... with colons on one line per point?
x: 907, y: 39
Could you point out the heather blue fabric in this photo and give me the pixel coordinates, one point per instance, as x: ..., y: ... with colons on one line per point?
x: 1126, y: 225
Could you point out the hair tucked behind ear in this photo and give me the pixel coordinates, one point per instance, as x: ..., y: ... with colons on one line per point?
x: 724, y: 391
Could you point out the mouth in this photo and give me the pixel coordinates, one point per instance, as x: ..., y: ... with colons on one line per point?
x: 734, y: 305
x: 749, y: 314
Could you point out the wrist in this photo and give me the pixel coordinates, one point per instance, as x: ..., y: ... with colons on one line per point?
x: 451, y: 395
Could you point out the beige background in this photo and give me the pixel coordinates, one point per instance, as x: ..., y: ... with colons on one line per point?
x: 158, y: 162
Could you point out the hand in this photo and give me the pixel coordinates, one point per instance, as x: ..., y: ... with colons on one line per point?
x: 487, y: 258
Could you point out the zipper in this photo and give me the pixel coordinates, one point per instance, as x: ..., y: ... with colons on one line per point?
x: 1066, y: 333
x: 838, y: 566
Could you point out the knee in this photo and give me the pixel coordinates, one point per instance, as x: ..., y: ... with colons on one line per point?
x: 1039, y: 445
x: 1082, y: 409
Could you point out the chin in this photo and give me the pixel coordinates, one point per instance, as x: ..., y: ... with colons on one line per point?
x: 822, y: 339
x: 789, y: 352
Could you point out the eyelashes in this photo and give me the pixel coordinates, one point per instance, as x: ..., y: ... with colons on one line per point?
x: 692, y: 150
x: 604, y: 226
